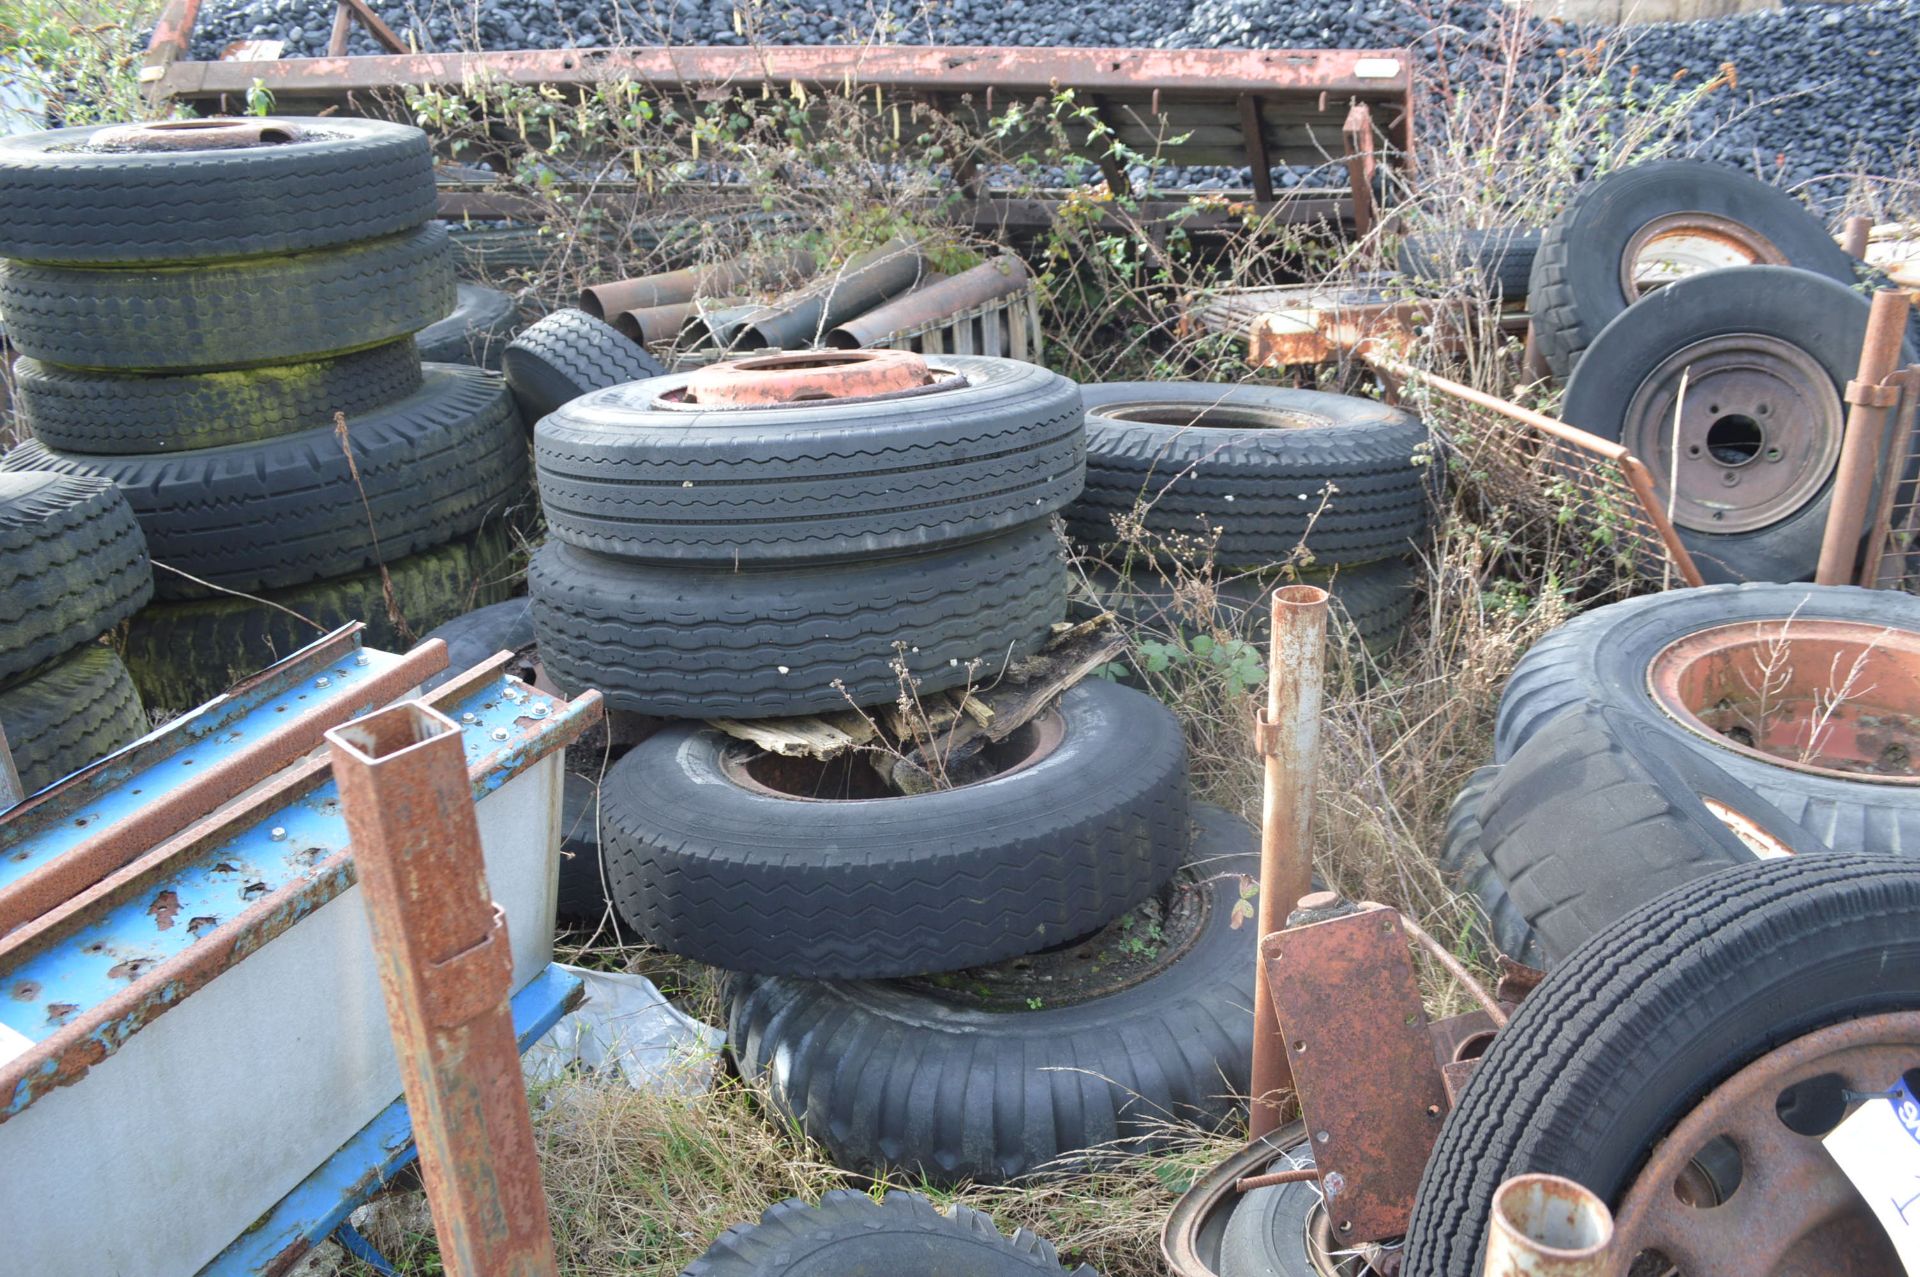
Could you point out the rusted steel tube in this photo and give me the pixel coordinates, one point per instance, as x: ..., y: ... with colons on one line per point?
x: 859, y: 284
x: 1853, y: 238
x: 1870, y: 401
x: 446, y: 970
x: 1458, y: 970
x: 1548, y: 1226
x: 1248, y: 1183
x: 648, y: 324
x: 1002, y: 277
x: 1288, y: 737
x: 678, y: 286
x: 721, y: 327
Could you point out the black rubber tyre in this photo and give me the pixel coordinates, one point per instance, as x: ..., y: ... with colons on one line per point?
x: 622, y: 474
x: 1600, y: 812
x: 850, y: 1235
x: 709, y: 862
x: 73, y: 565
x: 1576, y: 289
x: 1266, y: 1236
x: 70, y: 714
x: 474, y: 636
x: 476, y: 332
x: 276, y: 310
x: 709, y: 643
x: 1602, y: 1060
x: 495, y: 250
x: 184, y: 654
x: 1824, y: 319
x: 127, y: 413
x: 1262, y: 485
x: 1602, y: 657
x: 1463, y: 853
x: 566, y: 355
x: 1372, y: 601
x: 906, y: 1075
x: 433, y: 466
x: 343, y: 180
x: 1495, y: 264
x: 582, y: 897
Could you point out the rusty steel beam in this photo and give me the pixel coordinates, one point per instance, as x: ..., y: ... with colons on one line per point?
x: 446, y: 970
x: 1357, y: 137
x: 167, y: 47
x: 1364, y: 1069
x: 1871, y: 397
x: 1288, y: 739
x: 1384, y: 75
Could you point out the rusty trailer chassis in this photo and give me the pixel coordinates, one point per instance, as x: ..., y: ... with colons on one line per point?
x: 1350, y: 111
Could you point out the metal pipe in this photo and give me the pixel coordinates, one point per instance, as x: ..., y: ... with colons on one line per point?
x: 1288, y: 738
x: 1853, y: 238
x: 859, y: 284
x: 1871, y: 400
x: 649, y: 324
x: 1458, y: 970
x: 675, y: 287
x: 446, y: 970
x: 1004, y: 276
x: 721, y: 327
x: 1548, y: 1226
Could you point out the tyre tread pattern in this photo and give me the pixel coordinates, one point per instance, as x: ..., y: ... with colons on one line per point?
x: 73, y: 564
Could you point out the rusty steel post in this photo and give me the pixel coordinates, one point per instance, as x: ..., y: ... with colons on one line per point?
x: 1288, y: 738
x: 1871, y: 399
x: 1853, y: 239
x: 1548, y: 1226
x: 446, y: 970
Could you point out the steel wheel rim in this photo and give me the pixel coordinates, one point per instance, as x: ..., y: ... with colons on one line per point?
x: 1682, y: 244
x: 1759, y: 431
x: 1790, y: 1210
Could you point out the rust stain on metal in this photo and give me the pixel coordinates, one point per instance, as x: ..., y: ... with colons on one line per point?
x: 762, y: 380
x: 26, y: 991
x: 58, y: 1012
x: 130, y: 968
x: 1549, y: 1226
x: 1861, y: 452
x: 165, y: 907
x: 221, y: 132
x: 1363, y: 1064
x: 202, y: 924
x: 445, y: 969
x: 1794, y: 1211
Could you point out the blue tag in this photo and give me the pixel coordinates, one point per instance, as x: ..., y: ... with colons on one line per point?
x: 1906, y: 1108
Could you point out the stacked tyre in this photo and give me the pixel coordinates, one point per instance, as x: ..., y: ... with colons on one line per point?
x: 1258, y: 483
x: 73, y: 565
x: 244, y: 370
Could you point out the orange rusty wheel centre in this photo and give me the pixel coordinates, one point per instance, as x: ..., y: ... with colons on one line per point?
x: 1834, y: 698
x: 807, y: 376
x: 219, y: 132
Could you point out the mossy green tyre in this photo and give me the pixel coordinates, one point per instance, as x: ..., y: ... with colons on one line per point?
x: 231, y: 314
x: 183, y: 654
x: 73, y: 564
x: 64, y: 718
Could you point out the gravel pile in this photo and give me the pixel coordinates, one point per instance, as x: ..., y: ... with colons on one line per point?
x: 1820, y: 89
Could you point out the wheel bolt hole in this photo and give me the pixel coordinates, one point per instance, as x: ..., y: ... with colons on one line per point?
x: 1694, y: 450
x: 1734, y: 439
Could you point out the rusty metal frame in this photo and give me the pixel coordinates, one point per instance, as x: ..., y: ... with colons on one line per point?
x: 1872, y: 399
x: 1894, y: 529
x: 89, y: 825
x: 509, y: 727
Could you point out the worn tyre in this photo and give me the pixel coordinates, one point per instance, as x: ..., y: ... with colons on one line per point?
x: 1764, y: 354
x: 73, y: 411
x: 966, y: 1078
x: 709, y: 643
x: 1600, y: 812
x: 1275, y: 471
x: 434, y: 466
x: 65, y: 198
x: 1578, y: 284
x: 1463, y: 853
x: 183, y: 654
x: 1496, y: 264
x: 625, y: 472
x: 1604, y: 656
x: 64, y: 717
x: 566, y: 355
x: 474, y: 636
x: 850, y: 1235
x: 1602, y: 1060
x: 1280, y: 1230
x: 73, y: 565
x: 476, y: 332
x: 230, y: 315
x: 749, y: 862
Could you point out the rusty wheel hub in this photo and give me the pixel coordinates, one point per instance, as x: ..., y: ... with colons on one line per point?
x: 1681, y: 244
x: 1758, y: 431
x: 1743, y: 1186
x: 763, y: 381
x: 1215, y: 416
x: 1832, y: 698
x: 219, y: 132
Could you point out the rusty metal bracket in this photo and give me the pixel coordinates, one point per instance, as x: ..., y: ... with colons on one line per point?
x: 1364, y: 1064
x: 1872, y: 394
